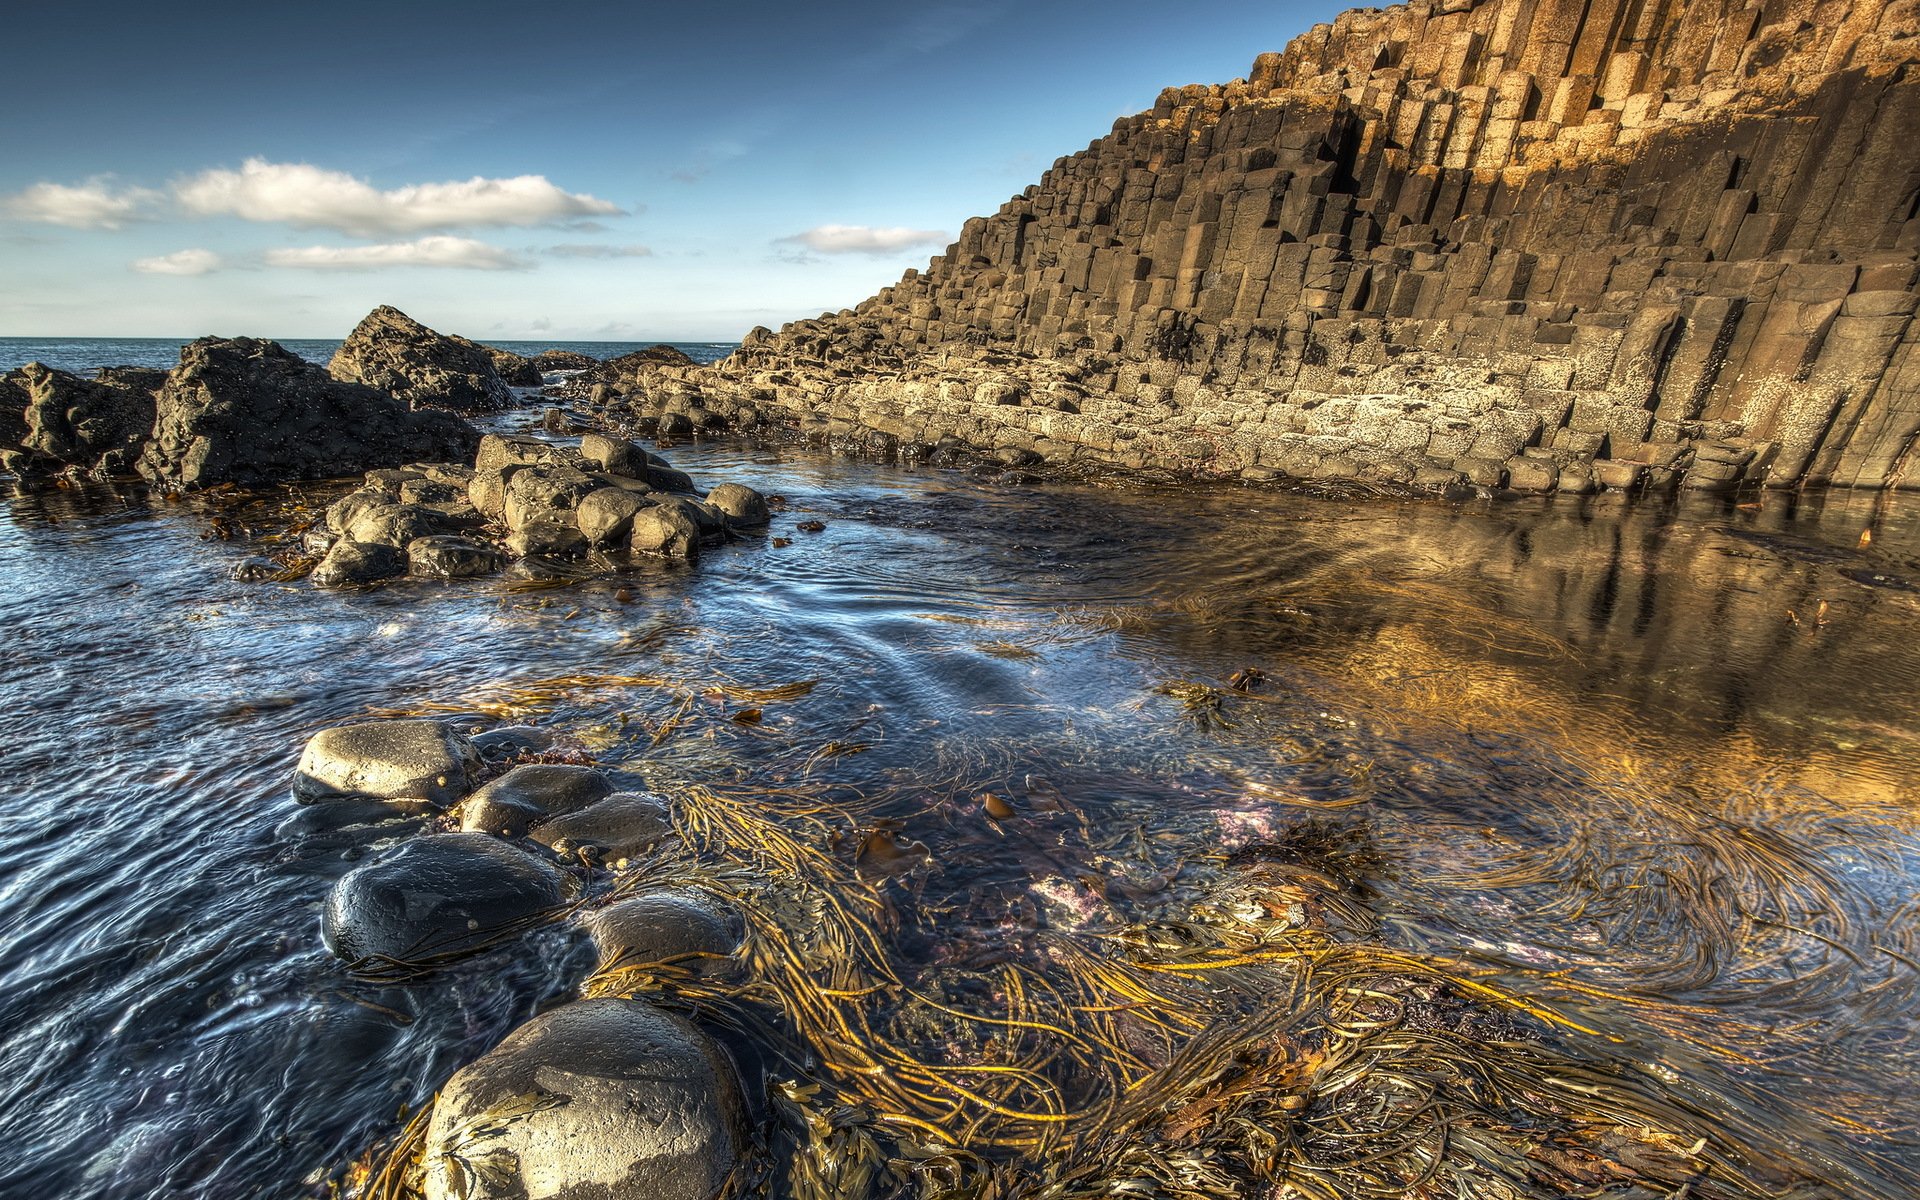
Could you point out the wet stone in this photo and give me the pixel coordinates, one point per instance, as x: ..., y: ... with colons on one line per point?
x: 671, y: 925
x: 623, y: 825
x: 387, y: 760
x: 611, y: 1099
x: 349, y: 563
x: 522, y: 797
x: 441, y: 895
x: 744, y: 507
x: 665, y: 530
x: 606, y: 516
x: 447, y: 557
x: 510, y: 741
x: 547, y: 539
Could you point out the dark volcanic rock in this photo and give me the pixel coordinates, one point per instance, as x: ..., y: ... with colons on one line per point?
x: 564, y: 360
x: 51, y: 420
x: 393, y: 352
x: 439, y: 895
x: 526, y: 795
x: 516, y: 370
x: 246, y: 411
x: 628, y: 1103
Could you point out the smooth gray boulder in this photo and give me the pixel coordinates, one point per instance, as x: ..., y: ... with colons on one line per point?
x: 440, y: 895
x: 249, y: 412
x: 349, y: 564
x: 388, y: 760
x: 672, y: 925
x: 393, y: 352
x: 605, y: 1099
x: 524, y: 796
x: 623, y: 825
x: 744, y: 507
x: 510, y: 741
x: 616, y: 456
x: 605, y: 516
x: 444, y: 556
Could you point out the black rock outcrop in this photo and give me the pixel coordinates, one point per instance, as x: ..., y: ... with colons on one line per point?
x: 247, y: 411
x: 393, y: 352
x: 52, y: 421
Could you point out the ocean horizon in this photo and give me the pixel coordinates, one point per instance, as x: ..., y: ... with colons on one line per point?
x: 81, y: 355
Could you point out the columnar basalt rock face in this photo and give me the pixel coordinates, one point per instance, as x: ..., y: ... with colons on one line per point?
x: 1541, y: 243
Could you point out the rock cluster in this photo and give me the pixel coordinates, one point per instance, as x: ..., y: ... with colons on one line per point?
x: 528, y: 500
x: 250, y: 412
x: 393, y: 352
x: 604, y: 1097
x: 1530, y: 243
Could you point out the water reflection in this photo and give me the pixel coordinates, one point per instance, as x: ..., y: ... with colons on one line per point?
x: 1595, y: 749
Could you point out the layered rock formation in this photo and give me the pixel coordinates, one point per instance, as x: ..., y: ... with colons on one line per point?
x: 245, y: 411
x: 1539, y: 243
x: 393, y: 352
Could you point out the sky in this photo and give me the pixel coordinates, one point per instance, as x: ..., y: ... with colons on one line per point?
x: 574, y: 171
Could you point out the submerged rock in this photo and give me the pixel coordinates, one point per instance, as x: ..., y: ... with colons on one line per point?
x: 249, y: 412
x: 526, y: 795
x: 609, y: 1099
x: 393, y: 352
x: 665, y: 926
x: 439, y: 895
x: 445, y: 556
x: 388, y: 760
x: 349, y: 563
x: 623, y: 825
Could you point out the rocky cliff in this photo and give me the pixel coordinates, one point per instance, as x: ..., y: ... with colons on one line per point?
x: 1538, y: 243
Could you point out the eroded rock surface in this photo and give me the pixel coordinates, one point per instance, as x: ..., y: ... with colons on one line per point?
x: 246, y: 411
x: 609, y: 1099
x: 52, y: 421
x: 393, y: 352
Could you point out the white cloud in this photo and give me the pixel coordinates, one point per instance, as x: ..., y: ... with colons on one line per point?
x: 594, y: 250
x: 311, y: 197
x: 180, y: 262
x: 441, y: 251
x: 95, y: 204
x: 865, y: 239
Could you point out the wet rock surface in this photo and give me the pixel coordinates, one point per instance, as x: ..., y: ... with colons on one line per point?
x: 388, y: 760
x: 622, y: 825
x: 611, y: 1099
x: 393, y: 352
x: 250, y: 412
x: 52, y: 421
x: 669, y: 926
x: 445, y: 894
x: 529, y: 794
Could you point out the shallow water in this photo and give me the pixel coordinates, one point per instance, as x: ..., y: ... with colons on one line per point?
x: 1593, y: 749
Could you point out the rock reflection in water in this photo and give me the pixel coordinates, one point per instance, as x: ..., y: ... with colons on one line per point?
x: 1605, y: 786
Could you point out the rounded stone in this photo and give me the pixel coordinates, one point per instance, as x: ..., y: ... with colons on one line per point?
x: 440, y: 895
x: 527, y: 794
x: 665, y: 926
x: 606, y: 514
x: 743, y: 506
x: 625, y: 825
x: 349, y: 563
x: 388, y: 760
x: 448, y: 557
x: 610, y: 1099
x: 665, y: 530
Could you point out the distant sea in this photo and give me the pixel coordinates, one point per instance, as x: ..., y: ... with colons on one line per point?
x: 82, y: 355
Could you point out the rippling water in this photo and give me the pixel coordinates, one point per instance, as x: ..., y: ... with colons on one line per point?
x: 1536, y: 714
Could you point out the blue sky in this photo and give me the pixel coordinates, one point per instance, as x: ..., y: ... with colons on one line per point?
x: 581, y: 170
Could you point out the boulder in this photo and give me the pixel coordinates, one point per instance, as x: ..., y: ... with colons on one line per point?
x: 609, y: 1099
x: 623, y: 825
x: 97, y: 426
x: 445, y: 556
x: 511, y: 741
x: 548, y: 493
x: 606, y: 515
x: 665, y: 926
x: 440, y: 895
x: 514, y: 370
x: 664, y: 530
x: 547, y: 539
x: 396, y: 525
x: 250, y: 412
x: 666, y: 478
x: 497, y: 452
x: 525, y: 796
x: 616, y: 456
x: 393, y: 352
x: 349, y: 563
x: 709, y: 520
x: 387, y: 760
x: 744, y: 507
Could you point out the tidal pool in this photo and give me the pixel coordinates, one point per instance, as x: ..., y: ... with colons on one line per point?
x: 1199, y: 842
